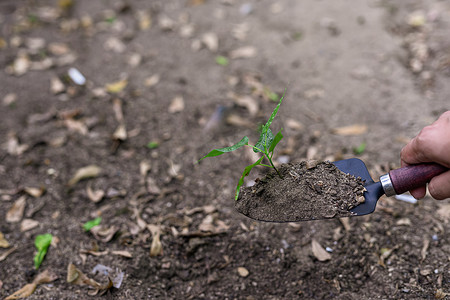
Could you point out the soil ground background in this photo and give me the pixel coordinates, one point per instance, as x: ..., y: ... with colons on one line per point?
x: 382, y: 67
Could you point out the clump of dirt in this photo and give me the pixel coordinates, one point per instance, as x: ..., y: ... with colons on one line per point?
x: 309, y: 190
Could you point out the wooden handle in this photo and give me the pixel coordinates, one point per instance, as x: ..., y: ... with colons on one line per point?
x: 414, y: 176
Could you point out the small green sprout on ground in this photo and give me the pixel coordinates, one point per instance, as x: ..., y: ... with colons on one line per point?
x: 92, y: 223
x: 265, y: 145
x: 222, y: 60
x: 152, y: 145
x: 42, y: 242
x: 360, y: 149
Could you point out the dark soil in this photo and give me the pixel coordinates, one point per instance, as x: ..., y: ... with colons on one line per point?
x: 173, y: 221
x: 307, y: 191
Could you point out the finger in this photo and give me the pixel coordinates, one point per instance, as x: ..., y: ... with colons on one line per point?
x: 419, y: 193
x: 413, y: 152
x: 439, y: 186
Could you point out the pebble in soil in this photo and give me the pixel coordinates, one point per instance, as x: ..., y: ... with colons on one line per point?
x: 309, y: 190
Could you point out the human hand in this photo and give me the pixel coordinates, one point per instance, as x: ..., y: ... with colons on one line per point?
x: 432, y: 144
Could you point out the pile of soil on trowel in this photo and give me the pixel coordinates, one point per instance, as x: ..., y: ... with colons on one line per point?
x: 309, y: 190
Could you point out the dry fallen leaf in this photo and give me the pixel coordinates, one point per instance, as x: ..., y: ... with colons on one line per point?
x: 207, y: 224
x: 177, y: 105
x: 34, y: 192
x: 120, y: 133
x: 244, y: 52
x: 5, y: 254
x: 13, y: 146
x: 384, y: 254
x: 426, y: 244
x: 76, y: 126
x: 444, y: 212
x: 404, y: 221
x: 212, y: 225
x: 235, y: 120
x: 75, y: 276
x: 28, y: 289
x: 440, y: 294
x: 21, y: 65
x: 117, y: 108
x: 243, y: 272
x: 9, y: 99
x: 95, y: 196
x: 15, y: 213
x: 417, y: 19
x: 294, y: 125
x: 152, y: 80
x: 56, y: 86
x: 346, y: 223
x: 319, y: 252
x: 123, y: 253
x: 156, y: 247
x: 144, y: 168
x: 166, y: 23
x: 115, y: 44
x: 104, y: 233
x: 248, y: 102
x: 356, y: 129
x: 144, y: 19
x: 152, y: 188
x: 116, y: 87
x: 28, y: 224
x: 211, y: 41
x: 58, y: 48
x: 84, y: 173
x: 94, y: 252
x: 24, y: 292
x: 3, y: 242
x: 240, y: 31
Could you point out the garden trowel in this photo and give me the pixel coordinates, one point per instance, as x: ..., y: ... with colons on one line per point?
x: 395, y: 182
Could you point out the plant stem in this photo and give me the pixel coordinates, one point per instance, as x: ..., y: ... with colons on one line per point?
x: 270, y: 160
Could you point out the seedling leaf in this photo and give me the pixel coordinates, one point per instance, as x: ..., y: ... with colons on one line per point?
x: 272, y: 116
x: 275, y: 141
x: 217, y: 152
x: 266, y: 145
x: 265, y: 140
x: 360, y: 149
x: 153, y: 145
x: 92, y: 223
x: 245, y: 173
x: 42, y: 242
x: 221, y: 60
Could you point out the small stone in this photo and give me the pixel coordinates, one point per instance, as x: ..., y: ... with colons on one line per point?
x: 35, y: 43
x: 152, y: 80
x: 21, y: 65
x: 56, y: 86
x: 135, y: 59
x: 177, y: 105
x: 211, y: 41
x: 58, y: 49
x: 243, y: 272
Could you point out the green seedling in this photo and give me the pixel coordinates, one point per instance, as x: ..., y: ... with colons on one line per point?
x: 360, y: 149
x: 265, y: 145
x: 271, y: 95
x: 153, y: 145
x: 42, y: 242
x: 222, y: 60
x: 92, y: 223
